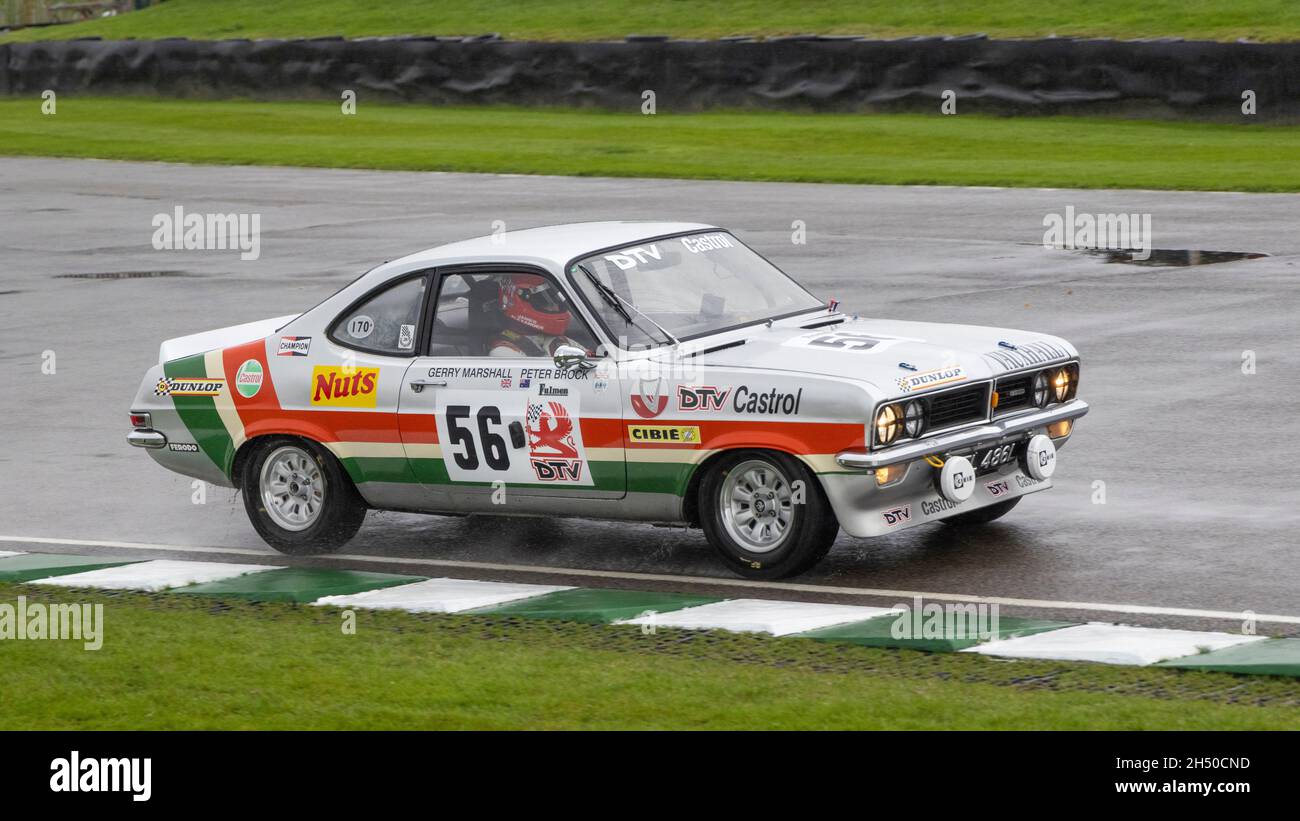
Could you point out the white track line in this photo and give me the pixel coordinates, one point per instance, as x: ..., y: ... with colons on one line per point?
x: 1111, y: 644
x: 900, y: 595
x: 779, y: 618
x: 440, y: 596
x: 162, y: 574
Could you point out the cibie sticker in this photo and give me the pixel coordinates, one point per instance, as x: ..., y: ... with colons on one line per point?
x: 664, y: 434
x: 406, y: 337
x: 248, y: 379
x: 930, y: 379
x: 294, y: 346
x: 360, y: 327
x: 171, y: 386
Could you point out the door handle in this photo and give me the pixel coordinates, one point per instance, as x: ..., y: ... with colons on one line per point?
x: 418, y: 385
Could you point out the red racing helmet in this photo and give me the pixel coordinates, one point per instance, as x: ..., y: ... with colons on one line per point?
x: 534, y: 304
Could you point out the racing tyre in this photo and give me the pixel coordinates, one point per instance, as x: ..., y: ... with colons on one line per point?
x: 749, y: 514
x: 984, y: 515
x: 298, y: 497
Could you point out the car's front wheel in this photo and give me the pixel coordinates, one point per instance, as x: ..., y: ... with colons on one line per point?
x: 766, y: 514
x: 299, y: 498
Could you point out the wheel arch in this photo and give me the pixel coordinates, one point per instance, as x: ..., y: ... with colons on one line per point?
x: 691, y: 495
x: 252, y: 443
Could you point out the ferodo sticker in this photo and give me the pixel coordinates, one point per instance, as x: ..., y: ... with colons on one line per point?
x: 931, y: 379
x: 248, y: 379
x: 172, y: 386
x: 664, y: 434
x: 341, y: 387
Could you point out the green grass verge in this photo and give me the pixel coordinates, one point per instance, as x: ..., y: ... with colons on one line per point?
x: 580, y: 20
x: 189, y: 662
x: 1058, y: 152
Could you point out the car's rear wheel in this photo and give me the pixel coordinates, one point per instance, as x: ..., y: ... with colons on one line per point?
x: 298, y: 497
x: 984, y: 515
x: 766, y: 514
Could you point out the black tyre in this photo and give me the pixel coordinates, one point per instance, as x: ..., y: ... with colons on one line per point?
x: 299, y: 498
x: 984, y: 515
x: 749, y: 513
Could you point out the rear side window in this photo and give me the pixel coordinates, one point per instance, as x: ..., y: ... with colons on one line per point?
x: 387, y: 322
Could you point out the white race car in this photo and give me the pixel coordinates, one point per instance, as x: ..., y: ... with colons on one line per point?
x: 657, y: 372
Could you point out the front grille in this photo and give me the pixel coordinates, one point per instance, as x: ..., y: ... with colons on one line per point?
x: 957, y: 407
x: 1015, y: 392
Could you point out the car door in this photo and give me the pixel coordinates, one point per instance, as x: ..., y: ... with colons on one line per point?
x: 483, y: 429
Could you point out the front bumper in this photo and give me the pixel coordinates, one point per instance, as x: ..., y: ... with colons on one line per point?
x: 865, y: 510
x: 988, y: 433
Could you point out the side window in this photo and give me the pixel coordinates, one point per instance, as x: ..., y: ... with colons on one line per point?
x: 509, y: 314
x: 386, y: 323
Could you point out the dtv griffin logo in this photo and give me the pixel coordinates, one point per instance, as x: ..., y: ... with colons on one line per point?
x: 128, y: 775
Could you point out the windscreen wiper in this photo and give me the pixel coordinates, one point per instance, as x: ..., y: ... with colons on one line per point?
x: 621, y: 305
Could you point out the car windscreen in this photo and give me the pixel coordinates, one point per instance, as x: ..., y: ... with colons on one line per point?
x: 690, y: 285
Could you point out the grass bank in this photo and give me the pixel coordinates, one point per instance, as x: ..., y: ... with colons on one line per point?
x: 1056, y: 152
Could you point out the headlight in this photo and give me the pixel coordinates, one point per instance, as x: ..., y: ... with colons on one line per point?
x: 1062, y: 384
x: 913, y: 419
x: 889, y: 423
x: 1040, y: 389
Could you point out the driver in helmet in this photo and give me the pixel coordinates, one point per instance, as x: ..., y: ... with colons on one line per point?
x: 536, y: 317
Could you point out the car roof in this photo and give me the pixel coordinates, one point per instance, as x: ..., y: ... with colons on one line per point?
x: 551, y: 246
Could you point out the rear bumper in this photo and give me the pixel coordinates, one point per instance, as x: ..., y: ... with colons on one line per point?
x: 146, y: 439
x: 989, y: 433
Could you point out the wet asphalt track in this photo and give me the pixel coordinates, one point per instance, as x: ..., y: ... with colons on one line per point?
x: 1199, y: 461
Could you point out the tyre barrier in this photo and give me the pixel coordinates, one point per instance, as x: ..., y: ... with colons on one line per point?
x: 1048, y: 76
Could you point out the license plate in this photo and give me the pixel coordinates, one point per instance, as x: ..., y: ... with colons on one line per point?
x: 987, y: 460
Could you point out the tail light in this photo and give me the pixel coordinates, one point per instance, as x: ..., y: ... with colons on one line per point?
x: 140, y: 420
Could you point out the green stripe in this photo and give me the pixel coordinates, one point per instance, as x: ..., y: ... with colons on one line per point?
x: 640, y: 477
x: 32, y: 566
x: 298, y: 584
x: 199, y: 413
x: 596, y: 606
x: 879, y: 632
x: 1273, y: 657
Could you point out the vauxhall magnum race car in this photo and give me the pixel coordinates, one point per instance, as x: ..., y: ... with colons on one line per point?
x: 657, y: 372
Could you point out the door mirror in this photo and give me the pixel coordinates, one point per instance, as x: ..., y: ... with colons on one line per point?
x: 572, y: 358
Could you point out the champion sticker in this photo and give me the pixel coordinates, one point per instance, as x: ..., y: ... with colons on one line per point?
x: 294, y: 346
